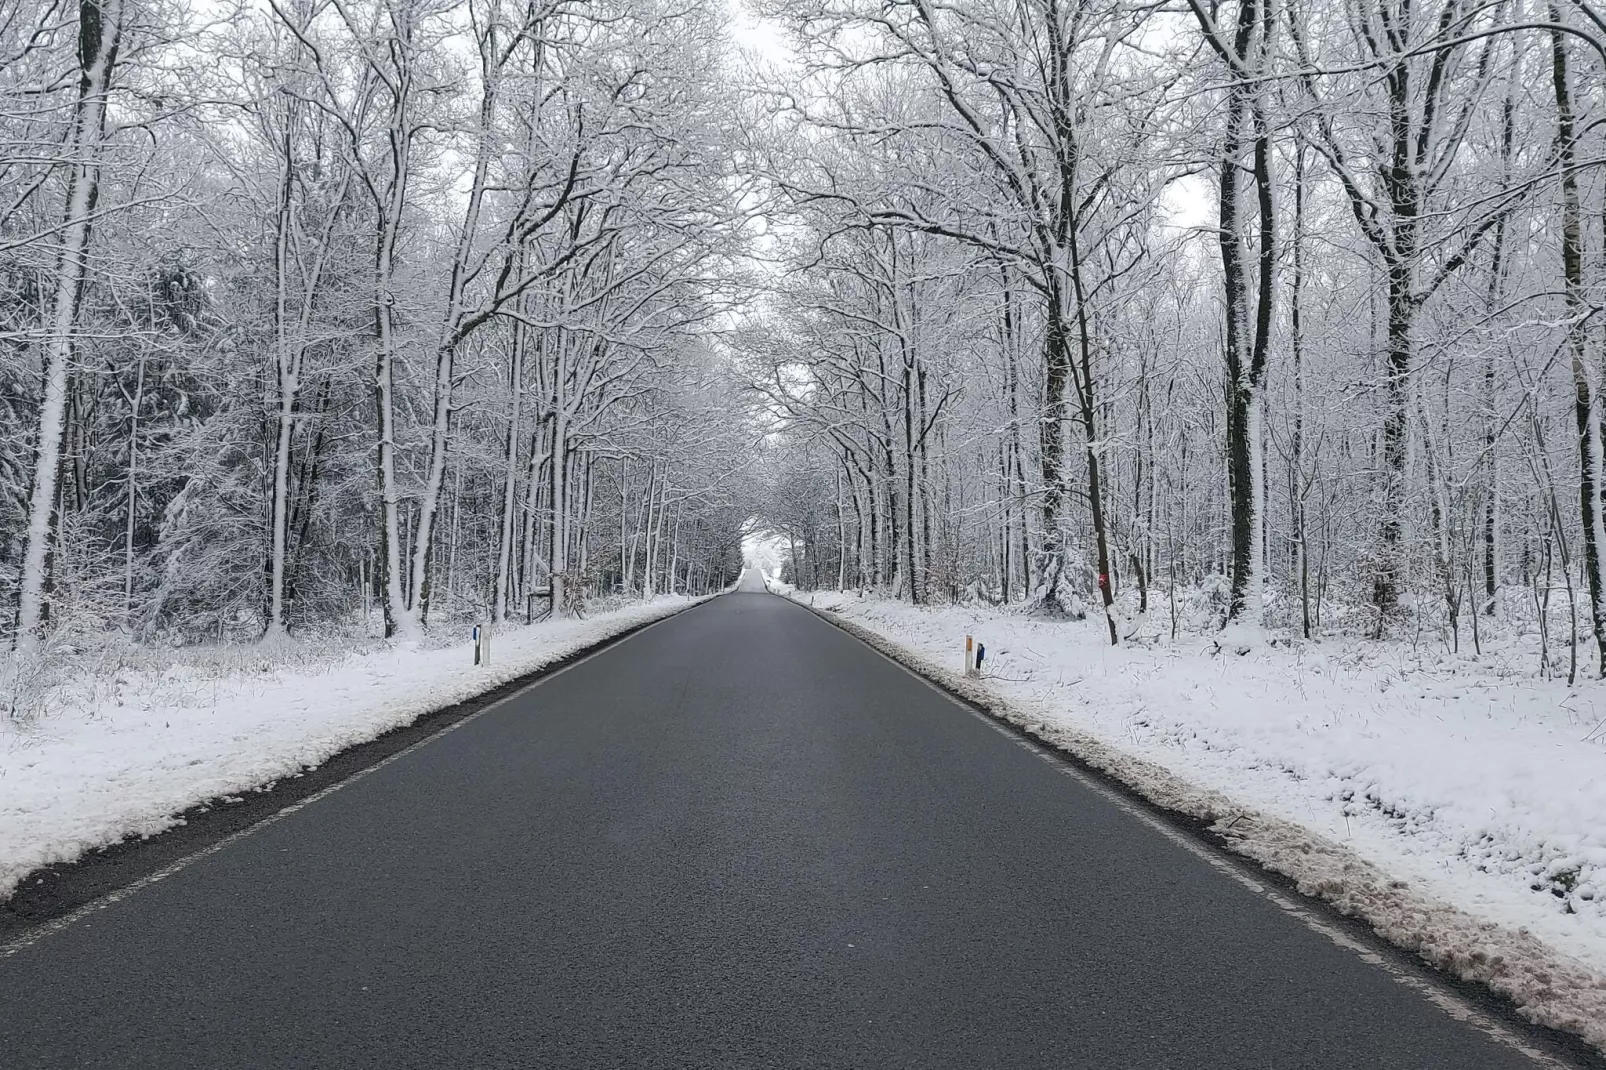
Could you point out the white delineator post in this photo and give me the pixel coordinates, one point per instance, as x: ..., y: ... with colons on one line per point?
x: 482, y: 644
x: 970, y: 656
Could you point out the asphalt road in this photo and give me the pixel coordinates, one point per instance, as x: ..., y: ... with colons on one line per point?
x: 738, y: 839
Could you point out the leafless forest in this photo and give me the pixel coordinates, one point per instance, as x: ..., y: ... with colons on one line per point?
x: 330, y: 316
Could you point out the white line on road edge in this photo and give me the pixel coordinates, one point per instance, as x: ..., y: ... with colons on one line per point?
x: 1447, y: 1000
x: 56, y: 925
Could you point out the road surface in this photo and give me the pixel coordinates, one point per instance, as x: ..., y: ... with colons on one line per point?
x: 737, y: 839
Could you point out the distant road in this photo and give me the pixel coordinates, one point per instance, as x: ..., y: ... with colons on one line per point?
x: 737, y: 839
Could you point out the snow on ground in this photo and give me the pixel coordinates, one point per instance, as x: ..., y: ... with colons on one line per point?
x: 1428, y: 793
x: 155, y: 741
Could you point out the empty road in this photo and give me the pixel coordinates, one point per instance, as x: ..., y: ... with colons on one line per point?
x: 739, y: 838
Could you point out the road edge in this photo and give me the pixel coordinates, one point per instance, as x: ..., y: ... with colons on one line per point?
x: 47, y: 894
x: 1366, y: 898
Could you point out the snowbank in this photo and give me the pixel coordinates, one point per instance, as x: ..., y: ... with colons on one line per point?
x: 1459, y: 809
x: 156, y: 742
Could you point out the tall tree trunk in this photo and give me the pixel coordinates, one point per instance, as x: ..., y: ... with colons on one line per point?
x: 1586, y: 401
x: 925, y: 485
x: 288, y: 360
x: 1401, y: 183
x: 1296, y: 464
x: 588, y: 497
x: 533, y: 489
x: 132, y: 496
x: 100, y: 27
x: 400, y: 620
x: 1087, y: 398
x: 558, y: 560
x: 1016, y: 458
x: 510, y: 478
x: 654, y: 510
x: 841, y: 537
x: 1248, y: 294
x: 1497, y: 281
x: 456, y: 326
x: 909, y: 486
x: 674, y: 550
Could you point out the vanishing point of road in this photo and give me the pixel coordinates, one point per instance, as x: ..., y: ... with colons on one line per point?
x: 739, y: 838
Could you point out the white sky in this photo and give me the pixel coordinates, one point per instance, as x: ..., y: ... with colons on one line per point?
x: 753, y: 33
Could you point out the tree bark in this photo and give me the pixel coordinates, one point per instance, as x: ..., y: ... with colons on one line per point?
x: 100, y: 27
x: 1586, y: 399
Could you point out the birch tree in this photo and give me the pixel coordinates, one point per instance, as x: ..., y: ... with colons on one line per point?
x: 100, y: 29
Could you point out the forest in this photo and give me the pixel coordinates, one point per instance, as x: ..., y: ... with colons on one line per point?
x: 317, y: 314
x: 352, y: 317
x: 1231, y: 316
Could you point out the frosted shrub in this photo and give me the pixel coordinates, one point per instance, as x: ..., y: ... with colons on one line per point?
x: 1204, y: 608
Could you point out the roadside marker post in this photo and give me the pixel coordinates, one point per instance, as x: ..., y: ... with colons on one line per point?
x: 482, y: 644
x: 974, y: 653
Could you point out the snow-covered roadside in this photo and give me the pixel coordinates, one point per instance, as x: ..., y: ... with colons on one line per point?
x: 1462, y: 815
x: 91, y: 775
